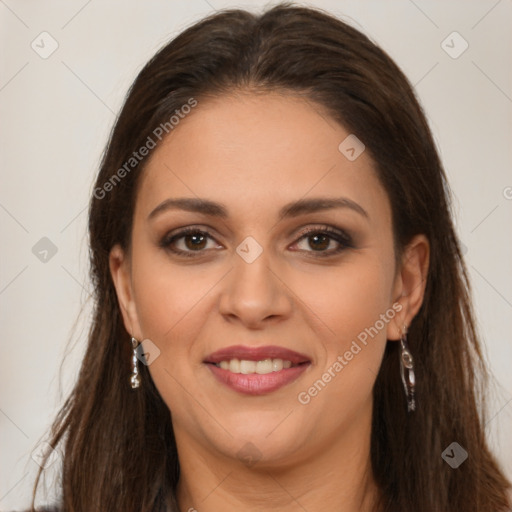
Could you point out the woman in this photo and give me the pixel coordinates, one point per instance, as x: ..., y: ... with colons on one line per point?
x: 282, y: 316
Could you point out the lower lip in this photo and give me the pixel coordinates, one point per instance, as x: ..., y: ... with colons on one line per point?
x: 256, y: 384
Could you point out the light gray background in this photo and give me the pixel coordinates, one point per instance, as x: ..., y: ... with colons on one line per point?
x: 56, y: 114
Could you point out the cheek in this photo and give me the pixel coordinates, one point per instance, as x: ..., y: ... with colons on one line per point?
x: 166, y: 294
x: 170, y: 302
x: 357, y: 310
x: 350, y: 298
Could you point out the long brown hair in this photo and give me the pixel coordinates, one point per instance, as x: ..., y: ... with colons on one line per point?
x: 118, y: 444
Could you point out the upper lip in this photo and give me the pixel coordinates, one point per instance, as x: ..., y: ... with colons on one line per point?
x: 256, y: 354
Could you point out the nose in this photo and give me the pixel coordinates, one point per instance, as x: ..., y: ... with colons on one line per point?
x: 254, y: 294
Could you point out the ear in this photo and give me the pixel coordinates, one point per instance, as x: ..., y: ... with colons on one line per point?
x: 409, y: 285
x: 120, y: 271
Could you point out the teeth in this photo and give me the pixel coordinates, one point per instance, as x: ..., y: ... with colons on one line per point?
x: 261, y: 367
x: 234, y: 366
x: 277, y: 364
x: 247, y: 366
x: 264, y: 366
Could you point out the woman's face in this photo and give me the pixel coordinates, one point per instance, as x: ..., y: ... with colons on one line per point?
x: 254, y: 278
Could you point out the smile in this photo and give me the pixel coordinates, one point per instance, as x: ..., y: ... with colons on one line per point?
x: 261, y: 367
x: 256, y: 370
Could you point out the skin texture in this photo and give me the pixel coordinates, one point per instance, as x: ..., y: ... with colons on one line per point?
x: 256, y: 153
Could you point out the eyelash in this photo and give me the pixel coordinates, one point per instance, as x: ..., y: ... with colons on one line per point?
x: 341, y: 237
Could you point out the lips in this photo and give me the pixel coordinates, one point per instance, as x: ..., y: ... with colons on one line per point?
x: 243, y: 352
x: 287, y: 365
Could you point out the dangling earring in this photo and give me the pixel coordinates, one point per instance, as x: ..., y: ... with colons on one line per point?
x: 135, y: 378
x: 407, y: 371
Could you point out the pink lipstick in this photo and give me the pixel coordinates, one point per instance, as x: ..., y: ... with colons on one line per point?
x: 256, y: 370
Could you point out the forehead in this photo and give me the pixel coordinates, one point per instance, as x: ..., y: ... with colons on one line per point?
x: 251, y: 150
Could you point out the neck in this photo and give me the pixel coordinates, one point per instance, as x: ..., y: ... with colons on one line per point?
x: 336, y: 477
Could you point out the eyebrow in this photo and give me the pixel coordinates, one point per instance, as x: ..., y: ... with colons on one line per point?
x: 290, y: 210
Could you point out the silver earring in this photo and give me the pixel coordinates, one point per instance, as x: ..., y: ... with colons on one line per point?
x: 407, y: 371
x: 135, y: 377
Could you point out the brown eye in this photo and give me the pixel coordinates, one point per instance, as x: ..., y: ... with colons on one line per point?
x: 196, y: 241
x: 319, y: 240
x: 322, y: 242
x: 188, y: 242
